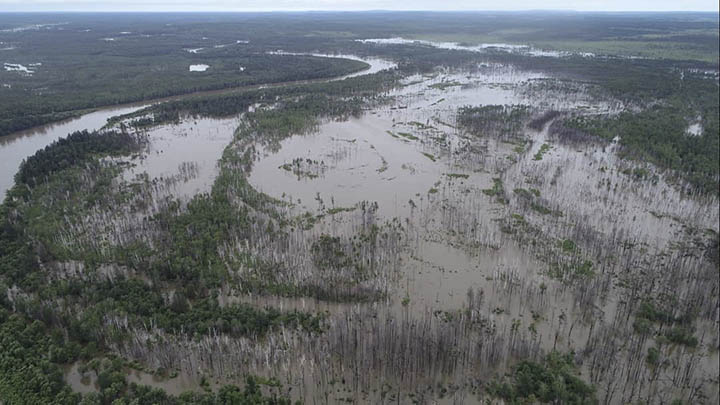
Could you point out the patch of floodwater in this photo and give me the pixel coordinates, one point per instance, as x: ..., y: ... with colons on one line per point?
x: 32, y: 27
x: 15, y: 148
x: 363, y: 162
x: 18, y: 146
x: 445, y: 93
x: 199, y: 68
x: 80, y: 382
x: 193, y: 50
x: 400, y: 156
x: 108, y: 39
x: 185, y: 155
x: 86, y: 382
x: 593, y: 186
x: 695, y: 129
x: 238, y: 42
x: 484, y: 47
x: 23, y: 70
x: 383, y: 158
x: 436, y: 44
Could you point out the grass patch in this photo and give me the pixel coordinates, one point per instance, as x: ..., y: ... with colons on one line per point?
x: 338, y: 210
x: 542, y: 151
x: 408, y: 136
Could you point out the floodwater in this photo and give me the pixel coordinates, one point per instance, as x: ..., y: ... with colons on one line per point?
x: 86, y: 382
x: 406, y: 158
x: 410, y: 159
x: 16, y: 147
x: 484, y: 47
x: 199, y: 68
x: 184, y: 156
x: 21, y: 69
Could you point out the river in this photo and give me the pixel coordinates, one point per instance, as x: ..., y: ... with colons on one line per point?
x: 17, y: 147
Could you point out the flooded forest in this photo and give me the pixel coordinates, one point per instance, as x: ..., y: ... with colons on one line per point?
x: 369, y: 207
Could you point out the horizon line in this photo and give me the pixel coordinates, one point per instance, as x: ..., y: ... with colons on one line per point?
x: 355, y: 11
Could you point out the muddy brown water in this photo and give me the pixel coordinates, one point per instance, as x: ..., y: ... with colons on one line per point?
x: 410, y: 159
x: 14, y: 148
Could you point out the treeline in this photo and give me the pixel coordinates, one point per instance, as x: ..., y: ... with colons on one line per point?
x: 138, y: 305
x: 19, y: 122
x: 553, y: 380
x: 320, y: 98
x: 76, y: 148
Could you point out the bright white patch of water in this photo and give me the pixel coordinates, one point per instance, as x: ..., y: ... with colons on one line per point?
x: 31, y: 27
x: 23, y: 70
x: 517, y: 48
x: 199, y: 68
x: 193, y: 50
x: 695, y: 129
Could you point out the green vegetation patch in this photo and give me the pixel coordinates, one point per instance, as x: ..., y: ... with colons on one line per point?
x: 552, y: 380
x: 544, y: 148
x: 497, y: 188
x: 408, y: 136
x: 659, y: 135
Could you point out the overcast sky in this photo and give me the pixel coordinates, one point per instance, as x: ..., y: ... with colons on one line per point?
x: 296, y: 5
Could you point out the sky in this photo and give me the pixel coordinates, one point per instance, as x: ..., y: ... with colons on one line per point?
x: 350, y: 5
